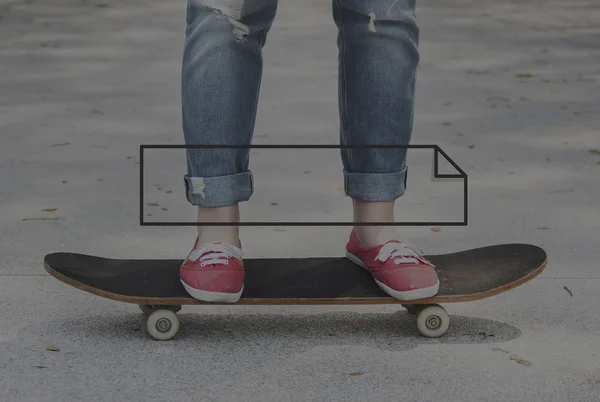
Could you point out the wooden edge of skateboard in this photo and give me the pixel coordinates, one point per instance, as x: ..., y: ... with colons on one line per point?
x: 297, y: 301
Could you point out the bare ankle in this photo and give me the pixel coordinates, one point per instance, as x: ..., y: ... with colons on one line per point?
x: 373, y: 212
x: 225, y: 234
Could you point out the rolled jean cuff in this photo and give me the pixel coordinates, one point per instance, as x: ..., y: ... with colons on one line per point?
x: 219, y: 191
x: 375, y: 186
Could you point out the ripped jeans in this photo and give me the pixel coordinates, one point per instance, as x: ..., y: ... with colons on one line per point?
x: 221, y: 75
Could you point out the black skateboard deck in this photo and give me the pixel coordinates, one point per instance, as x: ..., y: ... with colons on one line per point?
x: 155, y: 286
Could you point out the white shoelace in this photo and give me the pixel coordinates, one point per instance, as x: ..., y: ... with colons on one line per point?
x: 211, y: 253
x: 402, y: 253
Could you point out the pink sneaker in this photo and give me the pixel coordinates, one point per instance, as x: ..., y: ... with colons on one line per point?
x: 399, y: 269
x: 213, y: 272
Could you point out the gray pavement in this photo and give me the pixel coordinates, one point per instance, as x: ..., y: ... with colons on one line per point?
x: 510, y: 92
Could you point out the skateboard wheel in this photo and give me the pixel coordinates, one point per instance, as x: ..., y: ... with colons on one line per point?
x: 149, y: 308
x: 162, y: 324
x: 433, y: 321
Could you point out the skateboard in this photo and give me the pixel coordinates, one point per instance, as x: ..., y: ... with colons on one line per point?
x: 155, y: 287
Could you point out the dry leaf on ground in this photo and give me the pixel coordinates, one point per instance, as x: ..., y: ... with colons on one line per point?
x: 520, y: 360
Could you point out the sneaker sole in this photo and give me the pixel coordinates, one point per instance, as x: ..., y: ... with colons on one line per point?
x: 213, y: 297
x: 404, y: 295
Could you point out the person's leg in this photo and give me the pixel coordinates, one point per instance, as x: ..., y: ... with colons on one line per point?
x: 378, y: 58
x: 378, y: 61
x: 220, y: 82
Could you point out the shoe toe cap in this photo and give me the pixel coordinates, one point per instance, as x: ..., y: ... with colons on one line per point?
x: 213, y: 279
x: 411, y: 278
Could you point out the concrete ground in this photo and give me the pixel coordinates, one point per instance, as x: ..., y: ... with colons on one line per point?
x: 508, y: 89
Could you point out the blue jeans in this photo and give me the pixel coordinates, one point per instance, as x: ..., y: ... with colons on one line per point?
x: 221, y: 75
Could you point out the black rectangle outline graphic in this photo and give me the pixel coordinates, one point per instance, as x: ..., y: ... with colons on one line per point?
x: 437, y: 150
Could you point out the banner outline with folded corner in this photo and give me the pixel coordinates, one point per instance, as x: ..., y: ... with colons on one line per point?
x: 436, y: 176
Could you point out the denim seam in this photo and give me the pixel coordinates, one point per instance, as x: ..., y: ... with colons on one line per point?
x: 188, y: 10
x: 345, y: 132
